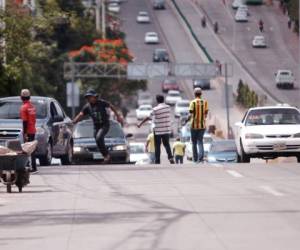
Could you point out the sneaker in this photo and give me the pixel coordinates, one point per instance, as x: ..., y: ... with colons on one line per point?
x: 107, y: 159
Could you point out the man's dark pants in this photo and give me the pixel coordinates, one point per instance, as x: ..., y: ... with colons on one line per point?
x: 31, y: 137
x: 165, y: 139
x: 99, y: 134
x: 197, y: 141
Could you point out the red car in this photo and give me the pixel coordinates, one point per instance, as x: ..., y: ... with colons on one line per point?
x: 169, y: 84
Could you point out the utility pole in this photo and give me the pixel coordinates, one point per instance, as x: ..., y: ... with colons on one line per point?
x: 227, y: 100
x: 97, y: 10
x: 103, y: 20
x: 3, y: 41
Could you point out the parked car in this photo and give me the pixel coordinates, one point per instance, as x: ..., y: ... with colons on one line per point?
x: 144, y: 98
x: 85, y: 147
x: 151, y: 38
x: 160, y: 55
x: 143, y: 17
x: 54, y: 128
x: 259, y: 42
x: 143, y: 111
x: 237, y: 3
x: 201, y: 83
x: 207, y: 140
x: 173, y: 96
x: 159, y: 4
x: 182, y: 108
x: 169, y: 84
x: 222, y: 151
x: 185, y: 133
x: 284, y: 79
x: 241, y: 16
x: 138, y: 152
x: 114, y: 7
x: 269, y: 132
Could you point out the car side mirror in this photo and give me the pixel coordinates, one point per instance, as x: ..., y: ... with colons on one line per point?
x: 129, y: 135
x: 238, y: 124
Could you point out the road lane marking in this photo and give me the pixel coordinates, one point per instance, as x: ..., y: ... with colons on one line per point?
x: 271, y: 190
x: 234, y: 173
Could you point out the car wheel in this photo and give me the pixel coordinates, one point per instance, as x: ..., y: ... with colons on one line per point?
x: 46, y: 159
x: 67, y: 159
x: 298, y: 158
x: 244, y: 157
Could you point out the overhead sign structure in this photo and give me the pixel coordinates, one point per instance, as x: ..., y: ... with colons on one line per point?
x: 145, y: 71
x: 74, y: 70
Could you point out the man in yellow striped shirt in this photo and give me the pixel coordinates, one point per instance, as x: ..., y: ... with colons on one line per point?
x: 198, y: 114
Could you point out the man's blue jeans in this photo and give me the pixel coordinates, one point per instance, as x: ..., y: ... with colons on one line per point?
x: 197, y: 141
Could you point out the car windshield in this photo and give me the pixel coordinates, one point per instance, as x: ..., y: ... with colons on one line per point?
x: 174, y: 94
x: 86, y: 130
x: 145, y: 108
x: 207, y: 139
x: 11, y: 109
x: 183, y: 104
x: 137, y: 149
x: 145, y: 96
x: 170, y: 82
x: 223, y: 146
x: 285, y: 73
x: 273, y: 117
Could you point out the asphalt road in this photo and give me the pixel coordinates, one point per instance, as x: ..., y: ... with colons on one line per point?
x: 162, y: 208
x: 261, y: 63
x: 175, y: 39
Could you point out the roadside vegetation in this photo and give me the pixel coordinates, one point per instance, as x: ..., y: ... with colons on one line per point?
x: 245, y: 96
x: 37, y: 44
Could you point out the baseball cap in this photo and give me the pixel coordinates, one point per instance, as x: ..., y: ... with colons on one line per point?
x: 25, y: 93
x: 91, y: 92
x: 197, y: 91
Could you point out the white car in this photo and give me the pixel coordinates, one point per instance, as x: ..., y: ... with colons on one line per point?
x: 114, y: 7
x: 137, y: 152
x: 143, y: 17
x: 241, y: 16
x: 237, y: 3
x: 207, y: 140
x: 268, y: 133
x: 284, y: 79
x: 243, y: 7
x: 259, y: 42
x: 144, y: 98
x: 143, y: 111
x: 182, y: 108
x: 115, y: 1
x: 151, y: 37
x: 172, y: 97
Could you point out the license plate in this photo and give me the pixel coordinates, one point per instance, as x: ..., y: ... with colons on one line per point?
x: 97, y: 156
x: 279, y: 147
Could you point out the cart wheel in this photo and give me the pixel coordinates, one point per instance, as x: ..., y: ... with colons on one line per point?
x: 8, y: 188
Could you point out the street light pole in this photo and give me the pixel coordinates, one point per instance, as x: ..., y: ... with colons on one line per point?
x: 103, y: 20
x: 98, y: 15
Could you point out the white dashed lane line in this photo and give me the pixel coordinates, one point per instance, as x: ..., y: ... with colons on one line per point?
x: 234, y: 173
x: 271, y: 191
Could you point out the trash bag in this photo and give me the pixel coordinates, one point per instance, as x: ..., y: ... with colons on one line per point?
x: 29, y: 147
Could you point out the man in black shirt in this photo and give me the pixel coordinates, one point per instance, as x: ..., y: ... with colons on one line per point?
x: 97, y: 109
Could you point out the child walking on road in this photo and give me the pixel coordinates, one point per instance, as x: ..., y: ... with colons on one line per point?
x: 178, y: 151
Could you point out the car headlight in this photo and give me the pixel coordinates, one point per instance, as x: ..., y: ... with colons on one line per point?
x: 253, y: 136
x: 211, y: 158
x: 77, y: 149
x: 120, y: 147
x: 297, y: 135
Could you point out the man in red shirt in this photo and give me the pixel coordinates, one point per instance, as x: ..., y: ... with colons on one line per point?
x: 28, y: 116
